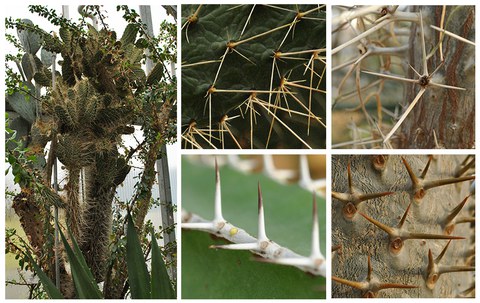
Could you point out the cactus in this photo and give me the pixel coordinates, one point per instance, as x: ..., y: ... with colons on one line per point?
x: 253, y: 76
x: 413, y: 237
x: 416, y: 65
x: 286, y: 226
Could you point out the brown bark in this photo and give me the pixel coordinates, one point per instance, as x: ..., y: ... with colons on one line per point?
x: 448, y: 113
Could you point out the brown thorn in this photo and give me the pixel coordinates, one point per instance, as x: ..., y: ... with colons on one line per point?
x: 365, y: 197
x: 466, y: 167
x: 424, y: 172
x: 430, y: 236
x: 400, y: 224
x: 413, y: 177
x: 349, y: 173
x: 390, y: 231
x: 357, y: 285
x: 436, y: 183
x: 369, y: 275
x: 440, y: 256
x: 449, y: 269
x: 455, y: 211
x: 395, y: 285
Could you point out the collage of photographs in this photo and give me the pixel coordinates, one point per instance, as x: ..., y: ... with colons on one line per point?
x: 239, y: 151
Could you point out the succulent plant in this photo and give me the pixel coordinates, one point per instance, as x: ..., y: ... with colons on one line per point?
x: 253, y: 76
x: 399, y: 77
x: 403, y: 226
x: 274, y: 237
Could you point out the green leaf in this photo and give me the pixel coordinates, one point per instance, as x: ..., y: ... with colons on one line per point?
x: 30, y: 40
x: 161, y: 287
x: 138, y: 277
x: 50, y: 288
x: 85, y: 284
x: 23, y: 106
x: 222, y: 274
x: 130, y: 34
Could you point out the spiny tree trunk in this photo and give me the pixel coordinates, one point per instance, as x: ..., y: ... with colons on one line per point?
x: 448, y: 113
x: 404, y: 262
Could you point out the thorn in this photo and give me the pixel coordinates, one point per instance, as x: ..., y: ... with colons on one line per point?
x: 466, y: 167
x: 365, y: 197
x: 238, y: 246
x: 449, y: 224
x: 400, y: 224
x: 395, y: 285
x: 430, y: 236
x: 424, y: 172
x: 349, y: 174
x: 390, y: 231
x: 436, y: 183
x: 412, y: 175
x: 218, y: 195
x: 369, y: 274
x: 315, y: 232
x: 450, y: 269
x: 357, y: 285
x: 262, y: 236
x: 444, y: 250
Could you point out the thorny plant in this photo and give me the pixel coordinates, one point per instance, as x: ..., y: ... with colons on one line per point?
x: 266, y: 249
x: 422, y: 224
x: 246, y: 110
x: 382, y: 36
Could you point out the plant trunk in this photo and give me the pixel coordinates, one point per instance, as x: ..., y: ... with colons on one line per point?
x: 443, y: 118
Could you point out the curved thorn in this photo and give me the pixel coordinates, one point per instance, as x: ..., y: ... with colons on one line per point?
x: 390, y: 231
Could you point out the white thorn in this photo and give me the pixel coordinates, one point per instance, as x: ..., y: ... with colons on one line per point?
x: 316, y: 253
x: 240, y: 246
x: 262, y: 235
x: 210, y: 226
x: 218, y: 196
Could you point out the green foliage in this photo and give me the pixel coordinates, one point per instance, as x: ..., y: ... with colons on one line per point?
x: 233, y: 54
x: 221, y: 274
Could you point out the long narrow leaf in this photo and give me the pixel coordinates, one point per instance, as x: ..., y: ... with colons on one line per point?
x: 138, y: 277
x: 50, y: 288
x: 78, y: 253
x: 85, y: 286
x: 161, y: 286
